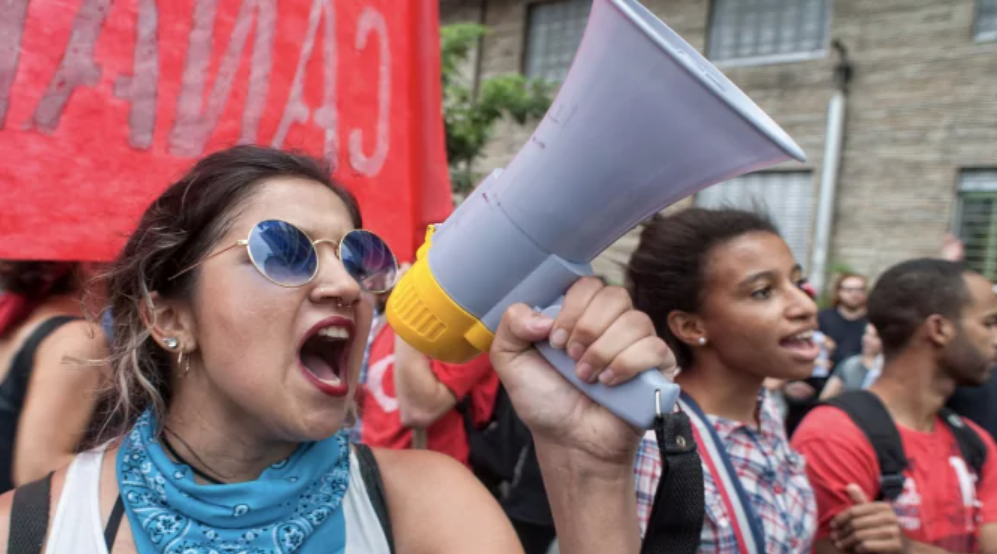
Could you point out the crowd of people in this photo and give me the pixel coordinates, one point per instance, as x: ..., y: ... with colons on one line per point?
x: 230, y: 384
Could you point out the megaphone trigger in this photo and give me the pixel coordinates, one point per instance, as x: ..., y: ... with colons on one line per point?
x: 638, y: 402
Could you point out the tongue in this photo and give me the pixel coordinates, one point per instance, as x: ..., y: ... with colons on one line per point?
x: 318, y: 366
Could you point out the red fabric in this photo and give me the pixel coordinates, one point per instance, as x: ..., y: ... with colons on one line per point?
x: 943, y: 502
x: 13, y: 309
x: 99, y: 129
x: 382, y: 424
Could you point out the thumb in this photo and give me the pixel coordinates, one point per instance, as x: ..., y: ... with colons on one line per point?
x: 856, y: 494
x: 519, y: 329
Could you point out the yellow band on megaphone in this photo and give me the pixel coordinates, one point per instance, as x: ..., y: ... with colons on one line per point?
x: 424, y: 315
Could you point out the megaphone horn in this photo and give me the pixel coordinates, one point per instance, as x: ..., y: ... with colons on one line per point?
x: 641, y: 121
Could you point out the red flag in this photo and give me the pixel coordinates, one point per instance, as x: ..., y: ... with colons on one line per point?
x: 104, y: 102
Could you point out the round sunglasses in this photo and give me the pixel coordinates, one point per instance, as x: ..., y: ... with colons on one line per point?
x: 288, y: 257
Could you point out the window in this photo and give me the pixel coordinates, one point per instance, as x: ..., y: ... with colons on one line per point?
x: 785, y: 196
x: 986, y: 20
x: 768, y: 30
x: 976, y: 219
x: 554, y: 31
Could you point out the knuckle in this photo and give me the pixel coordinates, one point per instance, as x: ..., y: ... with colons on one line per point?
x: 617, y: 295
x: 584, y: 333
x: 590, y: 283
x: 639, y: 320
x: 599, y: 358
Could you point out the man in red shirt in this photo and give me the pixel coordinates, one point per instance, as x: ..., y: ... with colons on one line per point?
x: 408, y: 395
x: 938, y: 325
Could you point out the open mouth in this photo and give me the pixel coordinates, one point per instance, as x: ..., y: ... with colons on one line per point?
x: 801, y: 346
x: 324, y: 355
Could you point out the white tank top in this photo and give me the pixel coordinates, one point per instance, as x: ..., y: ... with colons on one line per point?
x: 78, y: 527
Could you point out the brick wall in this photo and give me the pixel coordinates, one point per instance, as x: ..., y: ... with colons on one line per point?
x: 922, y: 104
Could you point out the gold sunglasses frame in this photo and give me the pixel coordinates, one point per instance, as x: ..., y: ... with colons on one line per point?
x: 314, y: 243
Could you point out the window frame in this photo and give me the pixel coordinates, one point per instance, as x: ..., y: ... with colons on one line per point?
x: 769, y: 59
x: 525, y: 37
x: 989, y: 265
x: 810, y: 176
x: 989, y: 35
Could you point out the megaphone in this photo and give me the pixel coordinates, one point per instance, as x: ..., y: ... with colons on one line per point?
x: 641, y: 121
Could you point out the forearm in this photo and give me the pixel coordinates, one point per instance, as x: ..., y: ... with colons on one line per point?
x: 594, y: 506
x: 832, y: 388
x: 422, y: 398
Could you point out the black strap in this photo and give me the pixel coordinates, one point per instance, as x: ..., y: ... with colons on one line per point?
x: 871, y: 416
x: 29, y: 517
x: 113, y: 523
x: 676, y: 521
x: 970, y: 444
x: 371, y: 475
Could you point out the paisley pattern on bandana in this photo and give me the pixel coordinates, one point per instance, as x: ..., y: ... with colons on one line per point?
x: 294, y: 506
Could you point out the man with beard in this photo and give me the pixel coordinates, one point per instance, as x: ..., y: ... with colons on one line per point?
x: 938, y: 325
x: 845, y: 320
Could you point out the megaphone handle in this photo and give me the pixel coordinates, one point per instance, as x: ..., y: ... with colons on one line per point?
x: 637, y: 401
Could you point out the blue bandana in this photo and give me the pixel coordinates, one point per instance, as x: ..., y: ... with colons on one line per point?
x: 294, y: 506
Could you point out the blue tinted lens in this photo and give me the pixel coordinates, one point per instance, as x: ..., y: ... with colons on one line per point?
x: 369, y: 260
x: 282, y: 252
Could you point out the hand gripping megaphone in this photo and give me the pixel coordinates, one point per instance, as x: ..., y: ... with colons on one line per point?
x: 641, y: 121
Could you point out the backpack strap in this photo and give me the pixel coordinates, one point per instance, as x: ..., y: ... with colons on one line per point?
x: 29, y: 517
x: 677, y: 515
x: 867, y: 411
x: 970, y: 444
x: 371, y: 475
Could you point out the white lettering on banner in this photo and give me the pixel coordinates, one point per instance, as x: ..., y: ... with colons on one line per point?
x: 375, y: 383
x: 372, y: 20
x: 77, y: 67
x: 141, y: 88
x: 13, y: 14
x: 193, y: 126
x: 296, y: 110
x: 199, y: 107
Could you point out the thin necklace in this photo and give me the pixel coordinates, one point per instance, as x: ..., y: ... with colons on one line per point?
x: 169, y: 447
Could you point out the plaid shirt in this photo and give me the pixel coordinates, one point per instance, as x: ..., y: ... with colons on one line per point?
x: 772, y: 475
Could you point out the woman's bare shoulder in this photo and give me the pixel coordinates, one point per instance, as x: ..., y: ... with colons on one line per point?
x: 437, y: 505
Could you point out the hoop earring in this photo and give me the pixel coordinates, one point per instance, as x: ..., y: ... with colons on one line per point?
x: 180, y: 361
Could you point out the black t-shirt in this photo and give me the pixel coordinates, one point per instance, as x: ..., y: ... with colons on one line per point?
x: 847, y: 333
x: 978, y: 404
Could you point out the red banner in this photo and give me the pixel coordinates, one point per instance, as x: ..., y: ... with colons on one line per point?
x: 104, y: 102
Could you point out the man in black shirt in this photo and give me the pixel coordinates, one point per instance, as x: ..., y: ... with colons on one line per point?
x: 845, y: 321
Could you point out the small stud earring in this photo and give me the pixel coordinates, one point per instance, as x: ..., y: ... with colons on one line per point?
x: 701, y: 341
x: 171, y: 342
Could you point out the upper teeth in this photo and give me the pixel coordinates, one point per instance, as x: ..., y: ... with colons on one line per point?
x: 334, y: 332
x: 805, y: 335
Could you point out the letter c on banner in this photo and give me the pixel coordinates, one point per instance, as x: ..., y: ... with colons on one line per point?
x: 372, y: 20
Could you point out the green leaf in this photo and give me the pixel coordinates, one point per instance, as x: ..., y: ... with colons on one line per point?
x: 470, y: 119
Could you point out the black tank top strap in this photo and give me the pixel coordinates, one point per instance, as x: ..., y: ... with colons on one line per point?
x: 371, y: 474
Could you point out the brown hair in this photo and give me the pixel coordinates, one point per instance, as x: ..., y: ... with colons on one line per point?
x: 836, y: 297
x: 666, y: 272
x: 180, y: 227
x: 32, y: 278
